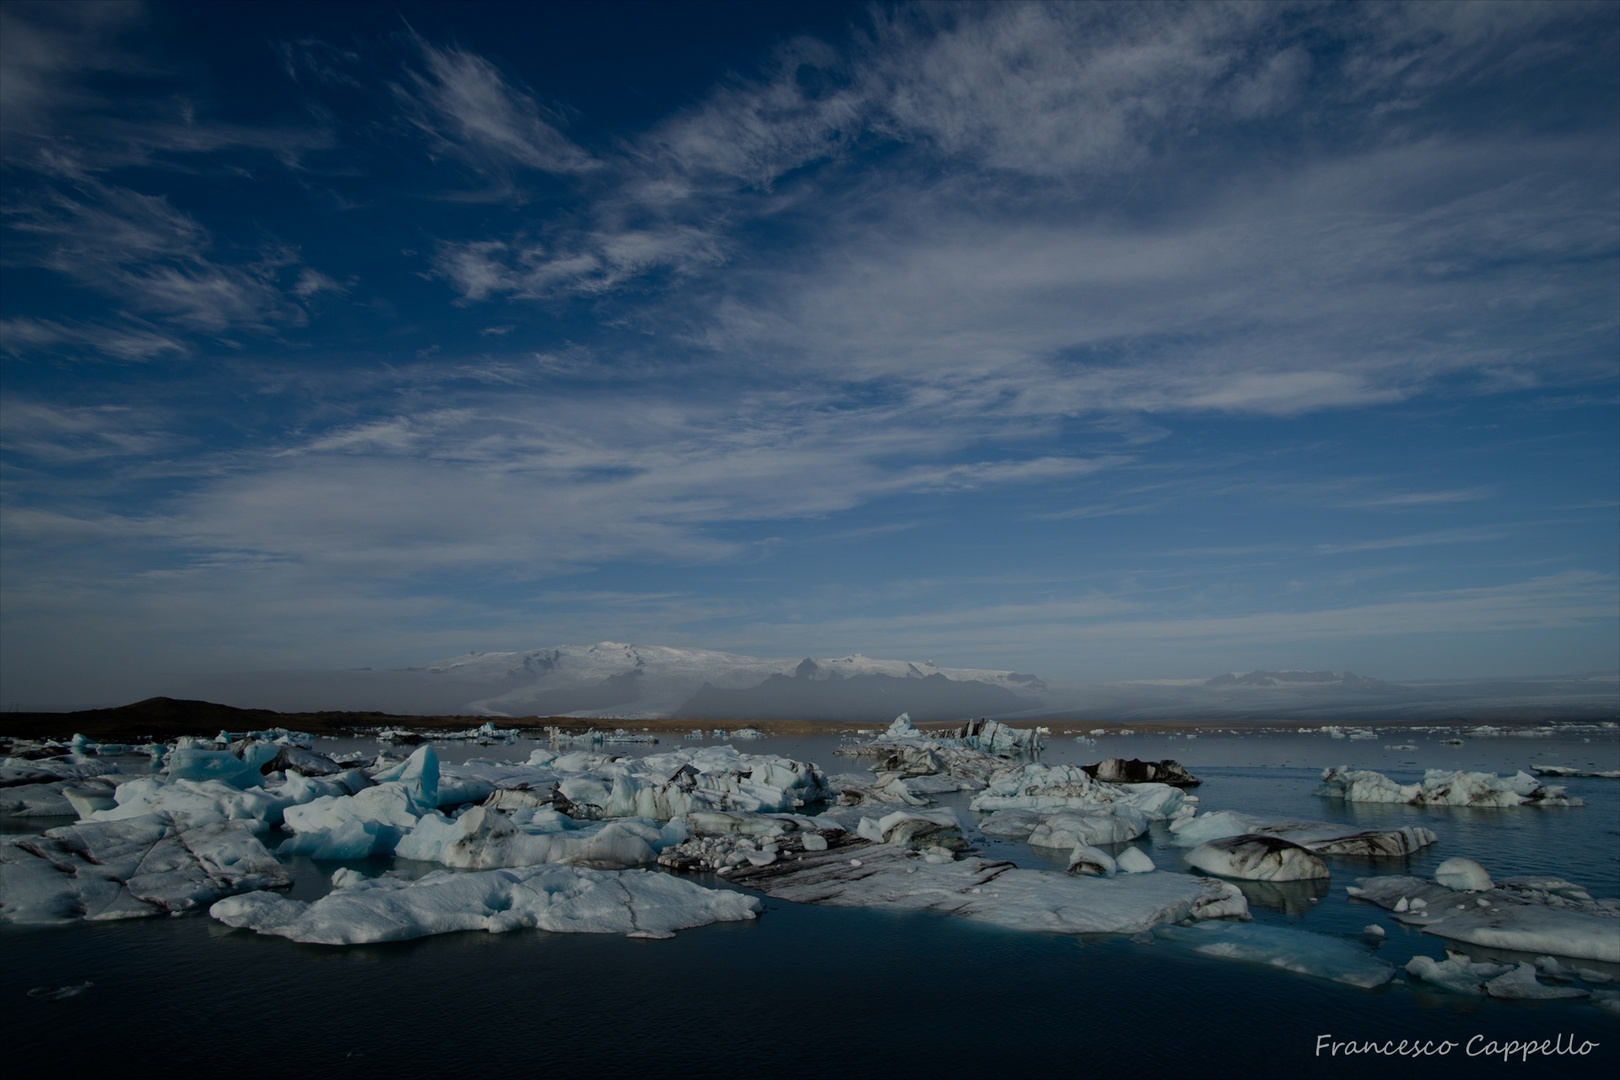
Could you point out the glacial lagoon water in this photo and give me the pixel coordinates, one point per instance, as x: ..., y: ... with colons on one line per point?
x: 830, y: 991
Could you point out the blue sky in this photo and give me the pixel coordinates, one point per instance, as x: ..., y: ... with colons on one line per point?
x: 1101, y: 341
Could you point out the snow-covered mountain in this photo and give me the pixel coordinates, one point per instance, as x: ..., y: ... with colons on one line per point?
x: 613, y: 679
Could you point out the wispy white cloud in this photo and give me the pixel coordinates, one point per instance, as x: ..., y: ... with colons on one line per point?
x: 1467, y: 535
x: 56, y: 435
x: 132, y: 340
x: 470, y: 111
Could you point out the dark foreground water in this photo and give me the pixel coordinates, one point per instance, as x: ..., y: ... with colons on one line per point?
x: 806, y: 991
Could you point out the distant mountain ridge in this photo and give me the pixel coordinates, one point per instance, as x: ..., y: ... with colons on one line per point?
x: 619, y: 679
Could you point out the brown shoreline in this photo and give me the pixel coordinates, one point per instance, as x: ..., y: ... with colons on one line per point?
x: 166, y: 718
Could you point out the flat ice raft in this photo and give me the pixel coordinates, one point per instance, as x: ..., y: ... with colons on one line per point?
x: 857, y: 874
x: 1533, y: 915
x: 562, y: 899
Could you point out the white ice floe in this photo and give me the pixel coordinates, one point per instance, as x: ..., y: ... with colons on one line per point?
x: 885, y: 876
x: 1532, y: 915
x: 1442, y: 788
x: 561, y: 899
x: 131, y: 868
x: 1324, y: 838
x: 1299, y: 951
x: 1462, y: 874
x: 1133, y: 860
x: 1257, y: 858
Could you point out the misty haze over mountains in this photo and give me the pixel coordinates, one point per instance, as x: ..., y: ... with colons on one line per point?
x: 614, y: 680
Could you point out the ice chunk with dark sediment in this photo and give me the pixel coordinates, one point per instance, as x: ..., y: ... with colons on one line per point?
x: 1136, y: 771
x: 1298, y: 951
x: 130, y: 868
x: 1543, y: 916
x: 1085, y: 859
x: 561, y: 899
x: 917, y: 830
x: 1442, y: 788
x: 1257, y: 858
x: 854, y: 873
x: 1322, y: 837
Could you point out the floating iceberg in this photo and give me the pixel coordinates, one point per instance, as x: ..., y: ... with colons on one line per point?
x: 1457, y: 973
x: 562, y: 899
x: 484, y: 839
x: 1442, y: 788
x: 1038, y: 786
x: 917, y: 830
x: 1114, y: 824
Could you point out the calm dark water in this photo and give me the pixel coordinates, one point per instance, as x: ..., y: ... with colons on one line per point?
x: 822, y: 991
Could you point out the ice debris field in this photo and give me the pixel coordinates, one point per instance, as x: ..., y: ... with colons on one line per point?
x: 577, y: 838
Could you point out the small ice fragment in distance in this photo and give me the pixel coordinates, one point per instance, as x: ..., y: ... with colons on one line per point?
x: 1464, y: 875
x: 343, y: 877
x: 814, y: 842
x: 1403, y: 904
x: 60, y: 993
x: 854, y: 862
x: 1372, y: 930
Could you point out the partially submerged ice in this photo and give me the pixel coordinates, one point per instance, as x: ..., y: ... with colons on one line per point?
x: 1543, y: 916
x: 1461, y: 975
x: 131, y: 868
x: 1321, y: 837
x: 1299, y: 951
x: 561, y: 899
x: 1442, y: 788
x: 855, y: 873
